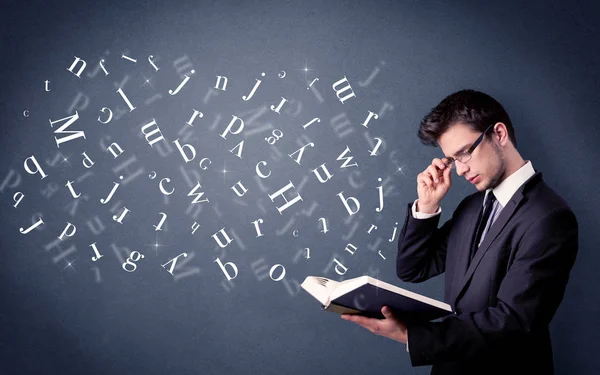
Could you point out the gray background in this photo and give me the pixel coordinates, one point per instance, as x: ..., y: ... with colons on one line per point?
x: 539, y: 60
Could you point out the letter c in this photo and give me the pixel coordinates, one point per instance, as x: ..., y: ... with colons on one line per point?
x: 26, y: 113
x: 201, y: 161
x: 258, y: 170
x: 162, y: 189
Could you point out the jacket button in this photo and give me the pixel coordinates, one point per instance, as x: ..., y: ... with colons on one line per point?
x: 458, y: 310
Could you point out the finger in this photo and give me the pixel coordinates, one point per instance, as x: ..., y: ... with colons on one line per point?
x: 434, y: 172
x: 427, y: 180
x: 447, y: 173
x: 365, y: 323
x: 439, y: 163
x: 362, y: 320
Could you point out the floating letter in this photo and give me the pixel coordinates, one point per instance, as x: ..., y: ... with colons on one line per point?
x: 160, y: 223
x: 198, y: 195
x: 18, y: 200
x: 347, y: 159
x: 107, y: 199
x: 37, y: 167
x: 133, y: 257
x: 258, y: 232
x: 218, y: 240
x: 131, y: 107
x: 62, y: 130
x: 345, y: 201
x: 394, y: 233
x: 83, y: 64
x: 300, y: 151
x: 186, y: 78
x: 324, y: 223
x: 258, y: 81
x: 241, y: 186
x: 380, y: 189
x: 174, y: 262
x: 39, y: 222
x: 120, y: 218
x: 311, y: 121
x: 148, y: 135
x: 235, y: 269
x: 339, y: 91
x: 371, y: 114
x: 318, y: 174
x: 64, y: 232
x: 96, y: 252
x: 183, y: 148
x: 288, y: 203
x: 276, y: 110
x: 87, y: 159
x: 70, y: 186
x: 228, y: 129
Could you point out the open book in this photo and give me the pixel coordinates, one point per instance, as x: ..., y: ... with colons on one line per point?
x: 365, y: 295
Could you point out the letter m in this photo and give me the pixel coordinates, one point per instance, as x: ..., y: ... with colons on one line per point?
x: 69, y: 134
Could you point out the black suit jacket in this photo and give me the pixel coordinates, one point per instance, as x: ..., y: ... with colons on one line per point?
x: 505, y: 299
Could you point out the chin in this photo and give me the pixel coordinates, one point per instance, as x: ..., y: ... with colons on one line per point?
x: 482, y: 186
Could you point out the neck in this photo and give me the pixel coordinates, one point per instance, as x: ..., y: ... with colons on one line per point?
x: 514, y: 162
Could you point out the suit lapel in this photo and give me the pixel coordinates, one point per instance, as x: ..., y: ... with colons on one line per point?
x: 507, y: 212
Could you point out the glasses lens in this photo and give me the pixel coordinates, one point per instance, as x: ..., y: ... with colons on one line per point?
x: 463, y: 157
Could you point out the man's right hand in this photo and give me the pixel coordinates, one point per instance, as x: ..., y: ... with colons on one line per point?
x: 432, y: 185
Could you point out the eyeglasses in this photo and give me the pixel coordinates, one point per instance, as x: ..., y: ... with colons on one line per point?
x: 465, y: 156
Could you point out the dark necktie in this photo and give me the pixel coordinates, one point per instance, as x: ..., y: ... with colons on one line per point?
x: 482, y: 222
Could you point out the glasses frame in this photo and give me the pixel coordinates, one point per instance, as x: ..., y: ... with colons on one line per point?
x: 470, y: 150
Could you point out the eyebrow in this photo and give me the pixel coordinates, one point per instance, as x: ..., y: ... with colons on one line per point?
x: 463, y: 148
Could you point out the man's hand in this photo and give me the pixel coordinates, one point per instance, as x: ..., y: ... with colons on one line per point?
x: 433, y: 184
x: 390, y: 327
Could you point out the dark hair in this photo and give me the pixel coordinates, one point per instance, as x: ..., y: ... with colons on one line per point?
x: 473, y: 108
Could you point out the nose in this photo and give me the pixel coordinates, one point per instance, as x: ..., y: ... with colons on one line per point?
x: 461, y: 168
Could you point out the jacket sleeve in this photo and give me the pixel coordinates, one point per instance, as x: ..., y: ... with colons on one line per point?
x: 528, y: 297
x: 421, y: 248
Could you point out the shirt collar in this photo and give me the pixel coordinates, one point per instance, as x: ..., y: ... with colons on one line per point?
x: 507, y: 188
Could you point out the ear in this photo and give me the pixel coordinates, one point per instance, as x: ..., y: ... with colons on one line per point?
x: 500, y: 134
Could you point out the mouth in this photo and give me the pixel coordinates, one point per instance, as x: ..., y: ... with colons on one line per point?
x: 474, y: 180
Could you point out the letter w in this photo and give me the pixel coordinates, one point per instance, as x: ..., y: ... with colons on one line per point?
x: 197, y: 195
x: 63, y: 129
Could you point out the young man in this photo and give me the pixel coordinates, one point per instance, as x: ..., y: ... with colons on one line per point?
x: 507, y: 251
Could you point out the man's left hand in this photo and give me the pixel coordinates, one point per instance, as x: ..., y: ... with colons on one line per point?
x: 390, y: 327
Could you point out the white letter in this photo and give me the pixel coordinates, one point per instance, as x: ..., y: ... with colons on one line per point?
x: 37, y: 167
x: 218, y: 240
x: 345, y: 201
x: 64, y: 232
x: 235, y: 269
x: 288, y: 203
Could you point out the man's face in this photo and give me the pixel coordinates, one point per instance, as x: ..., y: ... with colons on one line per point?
x: 486, y: 168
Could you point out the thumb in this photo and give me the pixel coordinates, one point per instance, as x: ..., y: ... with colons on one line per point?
x: 387, y: 312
